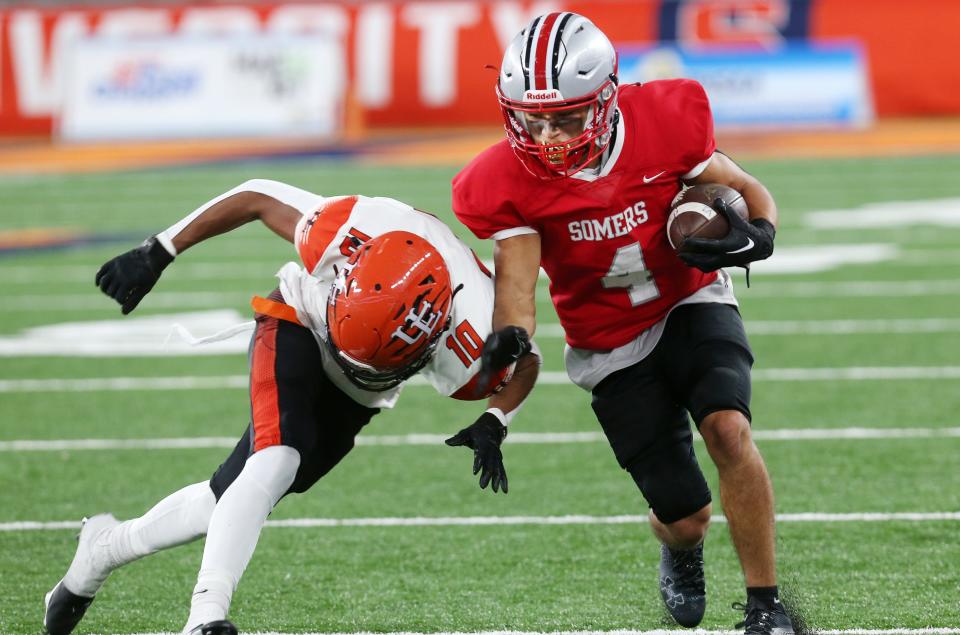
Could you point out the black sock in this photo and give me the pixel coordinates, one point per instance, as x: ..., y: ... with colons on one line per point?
x: 764, y: 594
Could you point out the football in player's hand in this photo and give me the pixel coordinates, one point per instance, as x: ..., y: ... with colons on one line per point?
x: 692, y: 213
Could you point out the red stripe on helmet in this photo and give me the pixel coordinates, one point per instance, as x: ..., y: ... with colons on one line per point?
x: 543, y: 61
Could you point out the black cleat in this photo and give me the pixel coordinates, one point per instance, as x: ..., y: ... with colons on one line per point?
x: 63, y: 610
x: 764, y: 619
x: 682, y: 586
x: 220, y: 627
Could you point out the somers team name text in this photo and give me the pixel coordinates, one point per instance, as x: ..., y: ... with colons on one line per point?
x: 611, y: 226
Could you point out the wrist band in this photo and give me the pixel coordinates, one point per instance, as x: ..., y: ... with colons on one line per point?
x: 167, y: 243
x: 496, y: 412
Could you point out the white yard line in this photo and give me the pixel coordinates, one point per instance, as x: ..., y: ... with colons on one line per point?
x: 852, y: 288
x: 24, y: 303
x: 171, y: 334
x: 855, y: 373
x: 46, y: 303
x: 697, y: 631
x: 478, y: 521
x: 218, y: 271
x: 524, y: 438
x: 822, y: 327
x: 124, y: 383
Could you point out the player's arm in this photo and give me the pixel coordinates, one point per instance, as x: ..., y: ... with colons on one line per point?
x: 128, y: 277
x: 746, y: 242
x: 485, y: 435
x: 724, y: 170
x: 517, y: 265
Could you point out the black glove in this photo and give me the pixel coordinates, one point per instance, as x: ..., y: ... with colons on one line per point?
x: 746, y: 242
x: 501, y: 349
x: 484, y: 437
x: 131, y: 275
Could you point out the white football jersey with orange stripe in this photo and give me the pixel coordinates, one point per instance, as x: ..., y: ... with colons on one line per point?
x: 327, y: 236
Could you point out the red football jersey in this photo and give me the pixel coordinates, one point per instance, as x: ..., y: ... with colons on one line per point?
x: 604, y: 241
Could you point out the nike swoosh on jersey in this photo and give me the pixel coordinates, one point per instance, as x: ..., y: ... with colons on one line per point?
x: 647, y: 179
x: 749, y: 245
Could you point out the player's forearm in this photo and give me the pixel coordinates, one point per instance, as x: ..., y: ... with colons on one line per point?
x: 278, y: 205
x: 724, y: 170
x: 517, y: 262
x: 518, y: 388
x: 759, y: 201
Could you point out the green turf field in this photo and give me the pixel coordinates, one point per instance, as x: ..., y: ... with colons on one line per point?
x: 887, y: 331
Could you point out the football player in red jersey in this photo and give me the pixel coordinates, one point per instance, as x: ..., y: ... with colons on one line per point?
x: 581, y: 187
x: 384, y: 291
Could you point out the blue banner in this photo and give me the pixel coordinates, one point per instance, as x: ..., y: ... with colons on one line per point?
x: 796, y: 84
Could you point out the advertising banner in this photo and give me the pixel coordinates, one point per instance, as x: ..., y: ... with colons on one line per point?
x: 196, y: 86
x: 427, y: 62
x: 795, y: 85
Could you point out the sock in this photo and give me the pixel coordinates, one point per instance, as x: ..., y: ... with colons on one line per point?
x: 179, y: 518
x: 767, y: 595
x: 235, y: 529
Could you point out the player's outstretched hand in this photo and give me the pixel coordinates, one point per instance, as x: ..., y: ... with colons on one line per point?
x: 501, y: 349
x: 484, y: 437
x: 131, y: 275
x: 746, y: 242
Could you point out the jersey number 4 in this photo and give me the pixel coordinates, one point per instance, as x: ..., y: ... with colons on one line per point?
x: 628, y: 271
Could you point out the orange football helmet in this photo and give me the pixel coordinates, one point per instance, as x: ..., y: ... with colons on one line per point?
x: 387, y: 310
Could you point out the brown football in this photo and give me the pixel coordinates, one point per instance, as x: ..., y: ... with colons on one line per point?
x: 692, y: 213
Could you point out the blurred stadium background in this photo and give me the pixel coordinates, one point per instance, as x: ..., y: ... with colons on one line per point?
x: 118, y: 118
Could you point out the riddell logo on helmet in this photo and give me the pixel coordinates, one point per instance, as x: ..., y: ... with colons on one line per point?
x: 542, y: 95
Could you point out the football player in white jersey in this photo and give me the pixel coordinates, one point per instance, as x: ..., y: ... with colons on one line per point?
x: 385, y: 291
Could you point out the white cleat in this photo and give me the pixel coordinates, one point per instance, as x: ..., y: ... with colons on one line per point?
x: 67, y: 602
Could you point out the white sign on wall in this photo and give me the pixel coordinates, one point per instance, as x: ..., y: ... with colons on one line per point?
x: 203, y: 86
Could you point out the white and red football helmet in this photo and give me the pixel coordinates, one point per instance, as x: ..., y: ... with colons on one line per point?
x: 559, y: 63
x: 387, y: 310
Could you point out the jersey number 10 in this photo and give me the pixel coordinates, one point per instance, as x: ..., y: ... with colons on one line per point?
x: 465, y: 342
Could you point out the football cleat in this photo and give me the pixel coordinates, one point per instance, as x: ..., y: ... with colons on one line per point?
x: 66, y: 603
x: 764, y: 619
x: 682, y: 585
x: 63, y: 610
x: 219, y: 627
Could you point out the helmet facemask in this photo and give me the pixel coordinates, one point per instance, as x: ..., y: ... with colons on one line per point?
x: 526, y: 122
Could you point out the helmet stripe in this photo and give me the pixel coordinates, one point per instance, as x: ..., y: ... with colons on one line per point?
x: 541, y: 58
x: 557, y: 43
x: 531, y: 31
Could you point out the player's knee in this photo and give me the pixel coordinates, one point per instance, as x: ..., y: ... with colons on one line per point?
x: 727, y: 435
x: 673, y: 485
x: 274, y: 469
x: 690, y: 531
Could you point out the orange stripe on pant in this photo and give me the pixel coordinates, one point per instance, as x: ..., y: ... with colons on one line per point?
x: 264, y: 397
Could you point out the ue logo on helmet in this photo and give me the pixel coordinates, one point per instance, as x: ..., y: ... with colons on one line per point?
x: 425, y: 321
